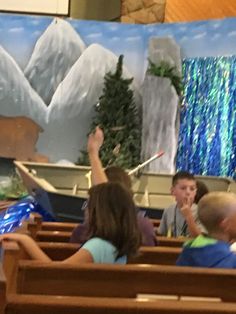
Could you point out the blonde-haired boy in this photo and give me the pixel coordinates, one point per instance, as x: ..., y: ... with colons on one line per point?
x: 217, y: 212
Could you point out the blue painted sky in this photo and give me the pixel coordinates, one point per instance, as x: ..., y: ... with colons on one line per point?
x: 19, y: 33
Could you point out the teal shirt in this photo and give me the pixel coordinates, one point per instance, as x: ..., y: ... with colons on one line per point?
x: 103, y: 252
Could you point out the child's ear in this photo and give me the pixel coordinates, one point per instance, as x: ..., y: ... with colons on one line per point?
x: 224, y: 224
x: 172, y: 190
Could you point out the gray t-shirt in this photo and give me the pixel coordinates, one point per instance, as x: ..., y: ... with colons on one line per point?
x: 173, y: 222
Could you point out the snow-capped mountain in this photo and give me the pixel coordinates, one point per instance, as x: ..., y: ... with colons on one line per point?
x: 77, y: 94
x: 17, y: 97
x: 72, y: 106
x: 54, y: 54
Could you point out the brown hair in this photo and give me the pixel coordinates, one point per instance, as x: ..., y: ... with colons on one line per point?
x: 117, y: 174
x: 112, y: 217
x: 182, y: 175
x: 202, y: 189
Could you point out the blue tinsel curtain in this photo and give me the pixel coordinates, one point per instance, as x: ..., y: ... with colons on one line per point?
x: 207, y: 137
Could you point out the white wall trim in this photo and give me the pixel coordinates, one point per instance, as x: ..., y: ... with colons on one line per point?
x: 60, y: 7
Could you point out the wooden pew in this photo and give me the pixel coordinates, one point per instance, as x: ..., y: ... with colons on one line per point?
x: 35, y: 304
x: 11, y: 253
x: 61, y: 232
x: 147, y: 255
x: 94, y: 279
x: 34, y: 227
x: 3, y: 285
x: 90, y: 279
x: 38, y: 304
x: 38, y: 225
x: 156, y: 222
x: 64, y: 236
x: 171, y: 242
x: 60, y: 251
x: 160, y: 255
x: 59, y: 226
x: 52, y: 236
x: 126, y: 281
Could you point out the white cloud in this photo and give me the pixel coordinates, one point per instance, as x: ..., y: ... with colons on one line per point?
x: 113, y: 27
x: 94, y: 35
x: 215, y: 25
x: 35, y: 21
x: 215, y: 37
x: 201, y: 35
x: 16, y: 30
x: 36, y: 34
x: 151, y: 29
x: 115, y: 38
x: 231, y: 34
x: 182, y: 29
x: 129, y: 39
x: 183, y: 39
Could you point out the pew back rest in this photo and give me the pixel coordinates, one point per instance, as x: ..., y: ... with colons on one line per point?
x: 37, y: 304
x: 11, y: 253
x: 60, y: 251
x: 64, y: 236
x: 3, y: 288
x: 65, y: 226
x: 156, y: 255
x: 124, y: 280
x: 147, y: 255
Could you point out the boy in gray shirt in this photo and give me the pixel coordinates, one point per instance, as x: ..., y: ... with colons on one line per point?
x: 180, y: 219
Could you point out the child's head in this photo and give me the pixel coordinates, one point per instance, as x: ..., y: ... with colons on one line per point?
x: 202, y: 189
x: 217, y: 212
x: 183, y: 187
x: 117, y: 174
x: 112, y: 217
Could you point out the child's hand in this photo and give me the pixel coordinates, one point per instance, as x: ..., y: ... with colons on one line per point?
x: 95, y: 141
x: 186, y: 207
x: 10, y: 237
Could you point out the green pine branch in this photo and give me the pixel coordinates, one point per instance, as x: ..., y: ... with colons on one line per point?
x: 118, y: 116
x: 164, y: 69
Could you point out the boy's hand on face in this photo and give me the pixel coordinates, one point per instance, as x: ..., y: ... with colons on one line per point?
x: 95, y: 141
x: 186, y: 207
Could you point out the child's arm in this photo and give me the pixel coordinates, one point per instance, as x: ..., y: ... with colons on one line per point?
x: 95, y: 142
x: 29, y: 245
x: 81, y: 256
x: 188, y: 215
x: 34, y: 251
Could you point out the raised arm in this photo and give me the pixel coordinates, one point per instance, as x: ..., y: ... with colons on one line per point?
x: 95, y: 142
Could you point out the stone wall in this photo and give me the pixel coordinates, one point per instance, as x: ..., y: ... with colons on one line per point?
x: 143, y: 11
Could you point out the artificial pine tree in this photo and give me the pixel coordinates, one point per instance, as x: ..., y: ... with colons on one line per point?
x: 119, y: 118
